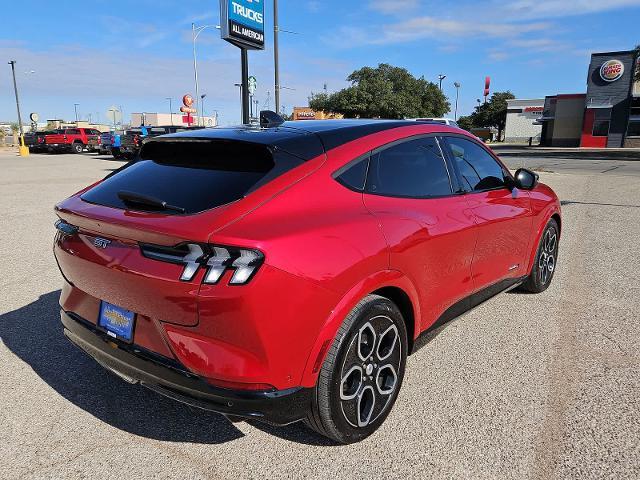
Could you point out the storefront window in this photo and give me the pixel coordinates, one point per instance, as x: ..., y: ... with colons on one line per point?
x: 634, y: 128
x: 601, y: 128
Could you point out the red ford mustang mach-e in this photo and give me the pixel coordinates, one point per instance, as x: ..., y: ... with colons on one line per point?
x: 284, y: 273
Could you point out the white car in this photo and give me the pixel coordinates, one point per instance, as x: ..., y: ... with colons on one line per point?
x: 443, y: 121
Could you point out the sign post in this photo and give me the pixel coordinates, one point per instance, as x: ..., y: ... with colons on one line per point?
x: 187, y: 109
x: 242, y: 25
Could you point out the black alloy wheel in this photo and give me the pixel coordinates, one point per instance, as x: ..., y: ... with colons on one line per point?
x: 363, y: 372
x: 546, y: 260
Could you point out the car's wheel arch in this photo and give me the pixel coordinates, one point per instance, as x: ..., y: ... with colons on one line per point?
x: 390, y: 284
x: 550, y: 213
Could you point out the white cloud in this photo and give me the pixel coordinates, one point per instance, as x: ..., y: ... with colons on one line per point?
x: 432, y: 27
x: 530, y: 9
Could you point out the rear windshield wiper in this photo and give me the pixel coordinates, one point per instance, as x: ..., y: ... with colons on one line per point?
x: 147, y: 201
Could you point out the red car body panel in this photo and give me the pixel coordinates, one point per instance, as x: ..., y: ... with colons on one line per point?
x: 325, y: 248
x: 68, y: 138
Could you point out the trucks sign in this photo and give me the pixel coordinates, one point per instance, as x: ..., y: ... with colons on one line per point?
x: 242, y: 23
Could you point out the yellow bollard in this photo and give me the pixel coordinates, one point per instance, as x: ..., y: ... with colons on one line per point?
x: 22, y: 149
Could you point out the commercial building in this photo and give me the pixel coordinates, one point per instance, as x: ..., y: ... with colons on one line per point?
x: 167, y: 119
x: 306, y: 113
x: 522, y: 125
x: 612, y: 115
x: 56, y: 123
x: 606, y: 116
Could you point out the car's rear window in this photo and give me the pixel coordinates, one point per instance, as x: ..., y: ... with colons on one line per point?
x: 192, y: 175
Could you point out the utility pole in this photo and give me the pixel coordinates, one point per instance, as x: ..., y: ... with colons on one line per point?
x: 276, y: 54
x: 457, y: 85
x: 75, y: 107
x: 24, y: 151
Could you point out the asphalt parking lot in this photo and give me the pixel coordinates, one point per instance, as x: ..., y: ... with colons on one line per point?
x: 526, y: 386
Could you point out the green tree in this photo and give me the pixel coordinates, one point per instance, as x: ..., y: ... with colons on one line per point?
x: 384, y: 92
x: 637, y: 74
x: 15, y: 128
x: 490, y: 114
x: 466, y: 123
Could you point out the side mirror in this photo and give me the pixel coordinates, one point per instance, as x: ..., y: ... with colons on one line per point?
x: 526, y: 179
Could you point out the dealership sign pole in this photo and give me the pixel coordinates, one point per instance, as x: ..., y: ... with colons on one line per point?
x: 242, y: 25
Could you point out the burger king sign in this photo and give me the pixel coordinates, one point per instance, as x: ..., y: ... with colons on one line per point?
x: 611, y: 70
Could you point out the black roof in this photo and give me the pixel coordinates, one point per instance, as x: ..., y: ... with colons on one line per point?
x: 305, y: 139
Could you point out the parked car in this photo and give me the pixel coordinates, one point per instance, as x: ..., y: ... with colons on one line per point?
x: 36, y: 140
x: 284, y: 273
x: 132, y: 140
x: 444, y: 121
x: 73, y: 140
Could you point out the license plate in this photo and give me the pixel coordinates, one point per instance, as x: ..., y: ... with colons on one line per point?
x: 117, y: 321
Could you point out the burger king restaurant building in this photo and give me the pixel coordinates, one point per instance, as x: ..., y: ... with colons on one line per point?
x: 607, y: 116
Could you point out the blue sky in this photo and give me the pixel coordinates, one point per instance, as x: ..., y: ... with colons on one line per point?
x: 135, y: 54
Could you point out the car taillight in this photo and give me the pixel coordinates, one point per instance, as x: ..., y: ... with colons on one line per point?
x: 214, y: 259
x: 136, y: 140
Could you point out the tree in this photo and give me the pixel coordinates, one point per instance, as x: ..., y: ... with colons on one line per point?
x: 465, y: 123
x: 490, y: 114
x: 637, y: 74
x: 384, y: 92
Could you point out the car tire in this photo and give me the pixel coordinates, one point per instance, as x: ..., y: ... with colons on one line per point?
x: 546, y: 260
x: 77, y: 147
x: 362, y: 372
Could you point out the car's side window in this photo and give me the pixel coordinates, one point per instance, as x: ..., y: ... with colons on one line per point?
x: 478, y: 169
x: 354, y: 175
x: 414, y: 169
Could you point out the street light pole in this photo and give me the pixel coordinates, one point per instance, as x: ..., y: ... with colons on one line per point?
x: 202, y: 97
x: 195, y: 60
x: 457, y: 85
x: 441, y: 77
x: 276, y: 54
x: 195, y: 32
x: 75, y: 107
x: 170, y: 109
x: 15, y: 89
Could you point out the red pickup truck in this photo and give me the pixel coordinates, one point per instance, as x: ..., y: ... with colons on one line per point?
x: 72, y: 140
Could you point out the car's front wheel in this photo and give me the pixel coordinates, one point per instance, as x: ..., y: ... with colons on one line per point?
x: 362, y: 373
x: 546, y: 260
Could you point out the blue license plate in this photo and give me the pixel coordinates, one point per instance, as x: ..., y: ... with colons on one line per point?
x: 117, y: 321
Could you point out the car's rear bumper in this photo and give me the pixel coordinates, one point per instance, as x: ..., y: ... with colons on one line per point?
x: 169, y: 378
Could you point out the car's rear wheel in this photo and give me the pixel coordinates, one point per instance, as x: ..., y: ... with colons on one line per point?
x: 546, y: 260
x: 362, y: 373
x: 77, y: 147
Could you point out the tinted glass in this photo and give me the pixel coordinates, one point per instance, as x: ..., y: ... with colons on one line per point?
x: 355, y: 176
x: 601, y: 128
x: 196, y: 176
x: 411, y: 169
x: 73, y: 131
x: 634, y: 128
x: 478, y: 169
